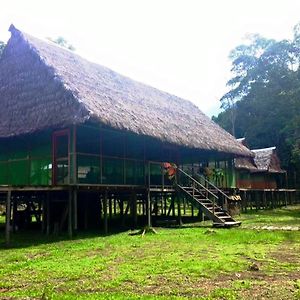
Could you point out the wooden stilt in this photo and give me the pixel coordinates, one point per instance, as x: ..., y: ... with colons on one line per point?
x: 110, y: 208
x: 192, y: 210
x: 14, y: 214
x: 85, y: 211
x: 200, y: 215
x: 121, y: 205
x: 115, y: 206
x: 75, y: 212
x: 264, y: 200
x: 134, y: 209
x: 70, y: 214
x: 285, y: 198
x: 148, y: 205
x: 165, y: 205
x: 48, y: 211
x: 105, y: 212
x: 144, y: 206
x: 44, y: 214
x: 155, y: 206
x: 179, y: 210
x: 7, y: 219
x: 173, y: 206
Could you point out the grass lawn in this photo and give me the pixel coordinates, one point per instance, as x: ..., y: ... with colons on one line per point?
x: 181, y: 263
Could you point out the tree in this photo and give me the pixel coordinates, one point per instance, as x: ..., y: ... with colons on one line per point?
x: 2, y: 46
x: 62, y: 42
x: 263, y: 102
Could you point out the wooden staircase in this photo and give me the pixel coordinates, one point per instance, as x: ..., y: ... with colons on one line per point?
x: 206, y: 199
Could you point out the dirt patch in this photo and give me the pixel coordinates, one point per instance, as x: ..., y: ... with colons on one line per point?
x: 286, y: 254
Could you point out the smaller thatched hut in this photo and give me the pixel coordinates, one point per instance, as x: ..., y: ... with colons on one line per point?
x: 262, y: 171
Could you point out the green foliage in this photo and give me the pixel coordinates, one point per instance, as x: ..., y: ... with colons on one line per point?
x: 263, y: 103
x: 2, y: 46
x: 61, y: 41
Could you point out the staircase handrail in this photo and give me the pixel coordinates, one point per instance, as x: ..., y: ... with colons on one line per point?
x: 198, y: 183
x: 215, y: 187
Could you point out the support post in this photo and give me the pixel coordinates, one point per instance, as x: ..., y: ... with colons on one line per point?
x: 48, y: 213
x: 192, y: 209
x: 115, y: 205
x: 85, y: 217
x: 179, y: 210
x: 110, y: 208
x: 105, y: 212
x: 14, y: 214
x: 7, y: 219
x: 121, y: 205
x: 44, y: 212
x: 134, y: 208
x: 75, y: 213
x: 173, y: 206
x: 70, y: 214
x: 148, y: 209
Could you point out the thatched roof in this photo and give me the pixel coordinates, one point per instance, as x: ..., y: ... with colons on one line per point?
x: 246, y: 163
x: 45, y: 86
x: 267, y: 160
x: 264, y: 160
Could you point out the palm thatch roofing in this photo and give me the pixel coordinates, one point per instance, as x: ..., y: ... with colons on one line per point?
x: 264, y: 160
x: 45, y: 86
x: 267, y: 160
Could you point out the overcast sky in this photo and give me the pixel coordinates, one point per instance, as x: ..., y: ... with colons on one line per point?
x: 178, y: 46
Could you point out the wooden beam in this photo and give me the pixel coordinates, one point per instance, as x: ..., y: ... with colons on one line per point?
x: 7, y: 219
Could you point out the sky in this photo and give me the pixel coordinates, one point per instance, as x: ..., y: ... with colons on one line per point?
x: 179, y: 46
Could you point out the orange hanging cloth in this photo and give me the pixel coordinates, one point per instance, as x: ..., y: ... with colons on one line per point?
x: 170, y: 169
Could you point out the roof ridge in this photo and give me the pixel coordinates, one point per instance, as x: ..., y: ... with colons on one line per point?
x: 264, y: 149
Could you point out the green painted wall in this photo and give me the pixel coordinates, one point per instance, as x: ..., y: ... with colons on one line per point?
x: 26, y: 160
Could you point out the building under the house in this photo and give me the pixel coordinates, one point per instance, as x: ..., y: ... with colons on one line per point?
x: 72, y: 129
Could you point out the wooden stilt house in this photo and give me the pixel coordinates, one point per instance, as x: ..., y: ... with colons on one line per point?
x: 262, y: 171
x: 70, y: 125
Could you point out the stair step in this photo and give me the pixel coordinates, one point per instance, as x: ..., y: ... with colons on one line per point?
x: 227, y: 224
x: 200, y: 195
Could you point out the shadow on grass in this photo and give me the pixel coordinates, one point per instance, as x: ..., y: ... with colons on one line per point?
x: 32, y: 237
x: 29, y: 238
